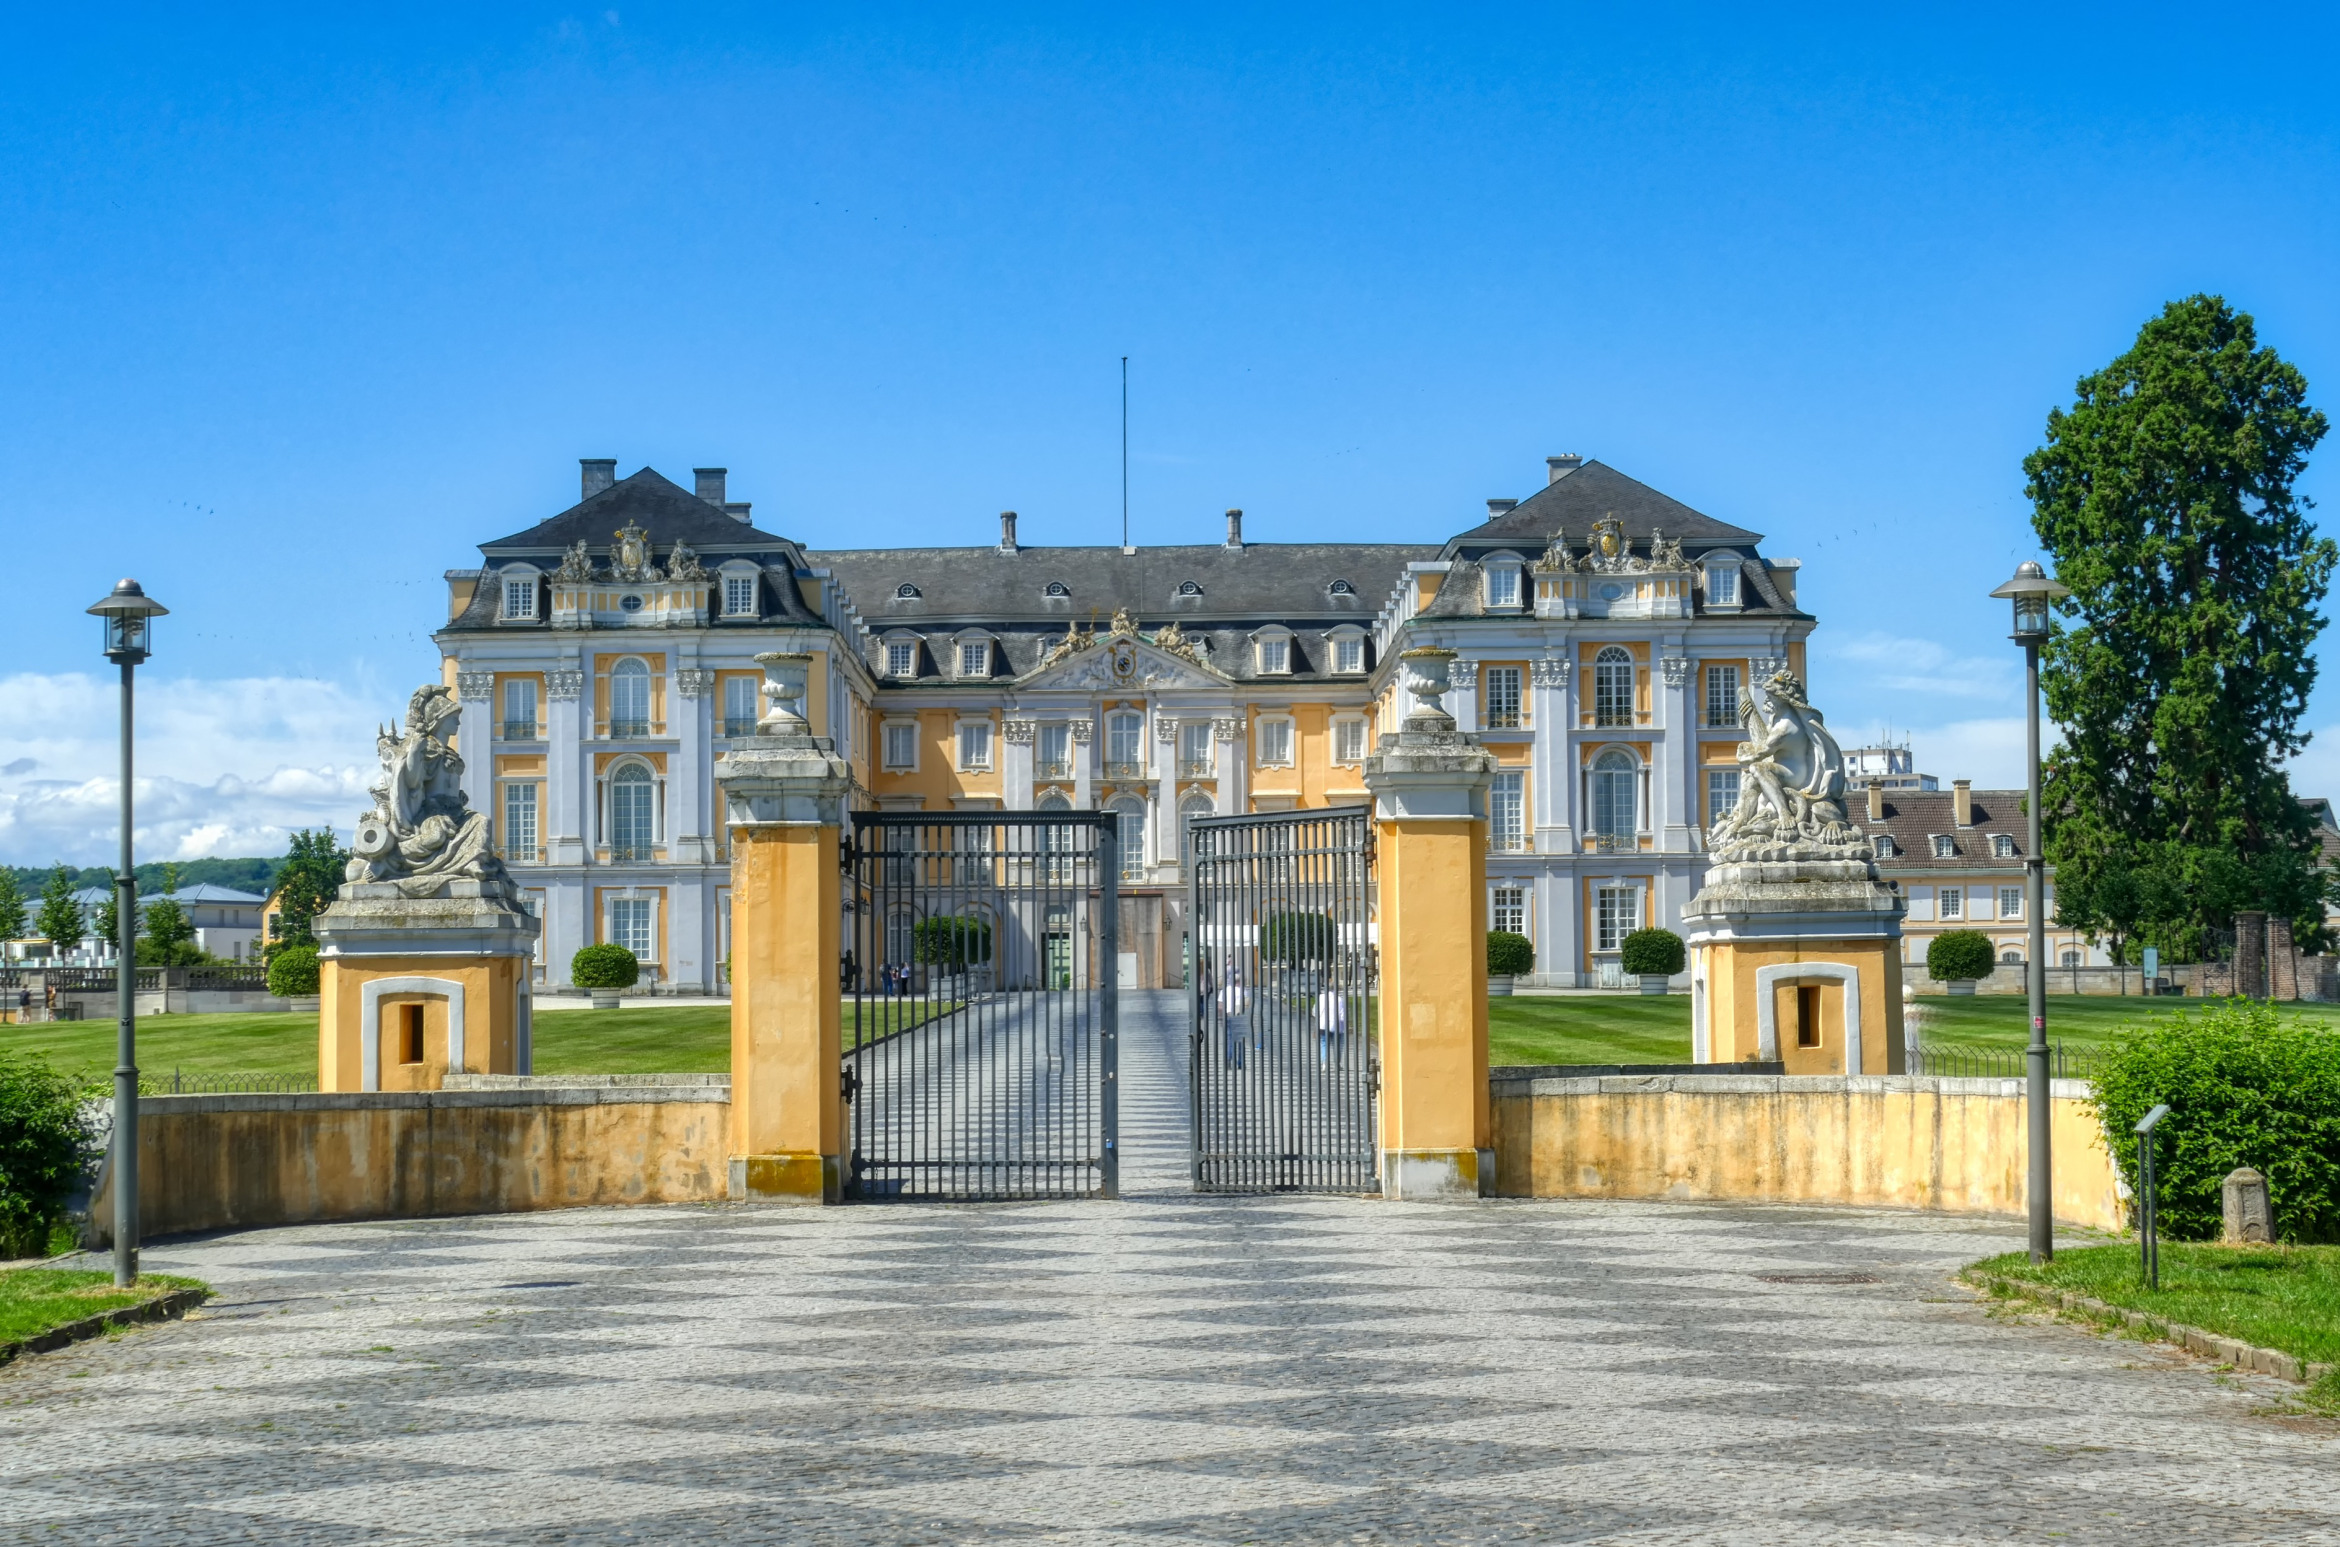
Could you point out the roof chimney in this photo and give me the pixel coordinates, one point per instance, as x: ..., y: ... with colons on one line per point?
x: 1007, y: 531
x: 1962, y: 802
x: 1876, y: 802
x: 1234, y: 528
x: 710, y: 484
x: 598, y: 474
x: 1562, y: 465
x: 1497, y: 509
x: 737, y: 510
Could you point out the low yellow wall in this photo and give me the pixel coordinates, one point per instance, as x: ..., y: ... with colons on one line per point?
x: 224, y: 1162
x: 1897, y: 1141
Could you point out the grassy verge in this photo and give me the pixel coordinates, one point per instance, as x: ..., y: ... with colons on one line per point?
x: 2282, y: 1297
x: 33, y: 1300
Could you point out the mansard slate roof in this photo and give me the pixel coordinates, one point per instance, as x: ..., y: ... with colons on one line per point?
x: 1588, y: 493
x: 666, y: 511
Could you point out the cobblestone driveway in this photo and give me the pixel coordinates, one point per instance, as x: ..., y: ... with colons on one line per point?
x: 1161, y: 1370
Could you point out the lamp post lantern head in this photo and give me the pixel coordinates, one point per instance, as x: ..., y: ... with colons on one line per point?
x: 127, y: 610
x: 2031, y: 590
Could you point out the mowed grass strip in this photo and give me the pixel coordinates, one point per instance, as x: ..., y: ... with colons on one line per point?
x: 34, y: 1300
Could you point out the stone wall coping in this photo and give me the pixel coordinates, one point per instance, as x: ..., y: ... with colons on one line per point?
x: 587, y: 1081
x: 1529, y: 1082
x: 423, y: 1100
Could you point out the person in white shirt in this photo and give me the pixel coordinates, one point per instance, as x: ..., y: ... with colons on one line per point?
x: 1332, y: 1024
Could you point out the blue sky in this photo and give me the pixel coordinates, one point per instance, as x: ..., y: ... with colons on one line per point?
x: 299, y: 307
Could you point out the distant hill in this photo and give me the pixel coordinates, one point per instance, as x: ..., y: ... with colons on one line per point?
x: 245, y: 875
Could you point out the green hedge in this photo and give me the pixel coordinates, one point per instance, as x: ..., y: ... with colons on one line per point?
x: 1652, y: 953
x: 1293, y: 938
x: 1509, y: 955
x: 2245, y: 1087
x: 1959, y: 955
x: 292, y: 972
x: 951, y: 941
x: 604, y: 966
x: 45, y: 1145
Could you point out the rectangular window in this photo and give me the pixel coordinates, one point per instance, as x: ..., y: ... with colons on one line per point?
x: 1194, y: 750
x: 1055, y: 747
x: 1616, y: 914
x: 520, y: 823
x: 1503, y: 587
x: 1945, y: 846
x: 1722, y: 695
x: 520, y: 709
x: 1349, y: 654
x: 975, y: 659
x: 975, y: 746
x: 739, y: 705
x: 2010, y: 902
x: 1503, y: 698
x: 1613, y: 687
x: 1125, y: 743
x: 410, y: 1033
x: 519, y: 598
x: 1722, y: 586
x: 1275, y: 743
x: 1509, y: 910
x: 1951, y: 902
x: 1722, y: 793
x: 901, y: 745
x: 901, y: 660
x: 631, y: 924
x: 1808, y: 1015
x: 739, y: 596
x: 1348, y: 741
x: 1275, y: 655
x: 1507, y: 811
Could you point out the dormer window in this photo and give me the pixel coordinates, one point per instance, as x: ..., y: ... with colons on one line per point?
x: 1341, y: 588
x: 520, y: 598
x: 2003, y: 845
x: 975, y: 658
x: 906, y: 592
x: 1189, y: 588
x: 902, y: 658
x: 739, y: 596
x: 1722, y: 580
x: 1275, y: 656
x: 1502, y: 584
x: 1945, y: 846
x: 1348, y: 652
x: 1885, y: 846
x: 1057, y: 590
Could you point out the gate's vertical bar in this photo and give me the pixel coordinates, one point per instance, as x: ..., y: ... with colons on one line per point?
x: 1109, y: 1006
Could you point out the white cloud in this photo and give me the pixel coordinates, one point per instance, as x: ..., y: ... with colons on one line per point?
x: 1921, y: 666
x: 224, y: 767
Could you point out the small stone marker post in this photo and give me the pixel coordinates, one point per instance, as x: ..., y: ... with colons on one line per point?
x: 2249, y: 1219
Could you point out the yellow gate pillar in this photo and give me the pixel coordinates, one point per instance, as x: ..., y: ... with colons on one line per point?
x: 784, y: 793
x: 1429, y: 784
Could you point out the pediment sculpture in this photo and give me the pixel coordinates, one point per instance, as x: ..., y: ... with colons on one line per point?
x: 630, y: 558
x: 683, y: 564
x: 1791, y: 783
x: 576, y: 562
x: 422, y: 833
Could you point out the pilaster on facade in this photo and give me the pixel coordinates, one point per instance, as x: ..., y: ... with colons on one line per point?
x: 1016, y: 735
x: 567, y: 773
x: 1083, y: 731
x: 1229, y: 746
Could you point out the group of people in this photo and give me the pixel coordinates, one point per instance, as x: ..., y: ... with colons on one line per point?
x: 1236, y: 1006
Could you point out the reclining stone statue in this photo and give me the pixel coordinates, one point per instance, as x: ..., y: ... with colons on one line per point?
x: 1792, y: 785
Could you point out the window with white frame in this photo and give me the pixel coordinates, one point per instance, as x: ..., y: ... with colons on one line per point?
x: 1945, y: 846
x: 1503, y: 698
x: 520, y: 597
x: 1275, y: 743
x: 1616, y: 792
x: 1275, y: 654
x: 1616, y: 914
x: 1349, y: 653
x: 629, y: 698
x: 520, y: 822
x: 1502, y: 584
x: 975, y: 658
x: 1950, y: 903
x: 1349, y: 740
x: 1722, y: 584
x: 633, y: 812
x: 1507, y: 909
x: 2003, y: 845
x: 1191, y: 805
x: 1125, y: 745
x: 901, y: 745
x: 1507, y: 811
x: 633, y: 923
x: 1722, y: 793
x: 1886, y: 847
x: 2010, y: 902
x: 1613, y: 686
x: 1722, y: 695
x: 902, y: 658
x: 1054, y: 749
x: 739, y: 596
x: 739, y: 705
x: 1129, y: 832
x: 519, y: 708
x: 1194, y: 750
x: 974, y: 746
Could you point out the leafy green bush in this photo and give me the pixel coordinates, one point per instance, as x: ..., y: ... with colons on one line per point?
x: 1509, y: 955
x: 1959, y: 955
x: 292, y: 972
x: 951, y: 941
x: 2245, y: 1088
x: 45, y: 1145
x: 604, y: 966
x: 1652, y: 953
x: 1294, y: 938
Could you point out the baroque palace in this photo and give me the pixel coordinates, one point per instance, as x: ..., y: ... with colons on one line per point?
x: 1607, y: 637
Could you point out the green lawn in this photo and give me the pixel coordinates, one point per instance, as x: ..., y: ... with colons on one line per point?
x: 32, y: 1300
x: 2281, y: 1297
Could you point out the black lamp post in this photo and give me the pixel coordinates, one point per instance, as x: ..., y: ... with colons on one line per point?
x: 128, y: 613
x: 2031, y: 591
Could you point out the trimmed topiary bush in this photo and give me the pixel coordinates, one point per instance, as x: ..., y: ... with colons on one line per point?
x: 1509, y: 955
x: 1652, y: 953
x: 2245, y: 1087
x: 951, y: 941
x: 604, y: 966
x: 1294, y: 938
x: 1961, y: 955
x: 292, y: 972
x: 45, y: 1146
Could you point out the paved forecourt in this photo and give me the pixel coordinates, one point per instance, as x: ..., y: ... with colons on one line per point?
x: 1163, y: 1369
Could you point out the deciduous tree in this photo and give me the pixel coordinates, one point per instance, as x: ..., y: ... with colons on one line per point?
x: 59, y: 921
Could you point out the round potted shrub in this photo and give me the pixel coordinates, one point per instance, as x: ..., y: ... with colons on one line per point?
x: 1509, y: 957
x: 1652, y: 955
x: 1958, y: 957
x: 292, y: 975
x: 604, y: 969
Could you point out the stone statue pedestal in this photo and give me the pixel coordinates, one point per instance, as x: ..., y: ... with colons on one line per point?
x: 415, y: 988
x: 1797, y: 960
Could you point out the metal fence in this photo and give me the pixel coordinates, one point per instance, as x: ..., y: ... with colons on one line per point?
x: 981, y: 1014
x: 2001, y: 1063
x: 181, y: 1083
x: 1283, y: 1067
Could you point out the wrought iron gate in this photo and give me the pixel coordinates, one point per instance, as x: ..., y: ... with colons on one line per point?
x: 981, y: 1015
x: 1284, y: 1062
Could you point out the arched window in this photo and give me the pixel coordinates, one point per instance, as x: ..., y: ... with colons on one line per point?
x: 1341, y: 588
x: 1613, y: 686
x: 633, y: 821
x: 1193, y: 804
x: 905, y: 592
x: 1616, y: 793
x: 1189, y: 588
x: 629, y: 699
x: 1129, y: 830
x: 1055, y: 800
x: 1058, y: 588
